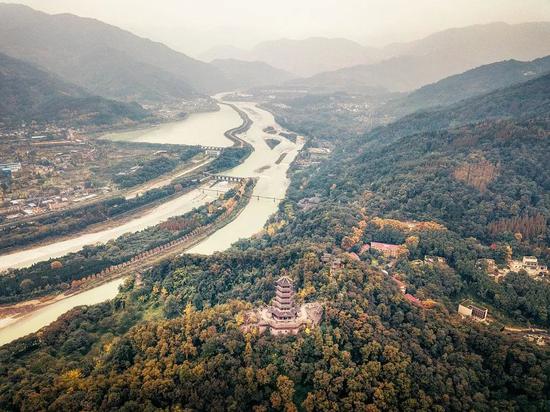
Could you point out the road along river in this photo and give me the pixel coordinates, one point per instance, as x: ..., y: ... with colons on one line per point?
x: 264, y: 163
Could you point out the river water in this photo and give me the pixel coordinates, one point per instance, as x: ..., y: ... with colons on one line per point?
x: 47, y: 314
x: 206, y: 129
x: 264, y: 163
x: 174, y: 207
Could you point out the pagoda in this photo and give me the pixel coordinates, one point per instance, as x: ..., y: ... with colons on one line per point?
x: 283, y: 308
x: 283, y: 316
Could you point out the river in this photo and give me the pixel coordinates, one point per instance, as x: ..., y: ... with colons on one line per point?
x: 204, y: 129
x: 47, y: 314
x: 174, y: 207
x: 264, y: 163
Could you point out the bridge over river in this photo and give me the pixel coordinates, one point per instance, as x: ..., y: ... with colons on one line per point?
x: 271, y: 184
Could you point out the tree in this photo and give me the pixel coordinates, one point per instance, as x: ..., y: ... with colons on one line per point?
x: 26, y: 285
x: 171, y: 307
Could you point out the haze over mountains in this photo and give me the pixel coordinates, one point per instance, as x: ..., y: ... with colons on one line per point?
x: 245, y: 74
x: 101, y: 58
x: 303, y: 58
x: 480, y: 80
x: 337, y: 64
x: 115, y: 64
x: 29, y: 93
x: 438, y: 56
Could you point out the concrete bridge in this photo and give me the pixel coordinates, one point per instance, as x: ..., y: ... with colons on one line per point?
x: 251, y: 196
x: 212, y: 148
x: 223, y: 178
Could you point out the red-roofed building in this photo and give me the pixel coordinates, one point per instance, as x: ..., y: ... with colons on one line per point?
x: 364, y: 248
x: 402, y: 287
x: 414, y: 300
x: 353, y: 256
x: 387, y: 249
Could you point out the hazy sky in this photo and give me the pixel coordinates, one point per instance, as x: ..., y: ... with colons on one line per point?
x: 193, y: 26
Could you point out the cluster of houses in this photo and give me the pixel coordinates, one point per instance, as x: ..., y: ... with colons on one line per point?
x: 529, y: 264
x: 13, y: 209
x: 8, y: 169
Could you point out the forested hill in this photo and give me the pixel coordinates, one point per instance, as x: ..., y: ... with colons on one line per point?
x: 521, y: 101
x: 29, y: 93
x: 470, y: 166
x: 173, y: 341
x: 472, y: 83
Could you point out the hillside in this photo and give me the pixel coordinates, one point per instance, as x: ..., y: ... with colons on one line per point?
x: 103, y: 59
x: 479, y: 168
x: 30, y: 93
x: 438, y: 56
x: 474, y: 82
x: 520, y: 101
x: 250, y: 74
x: 493, y: 41
x: 175, y: 339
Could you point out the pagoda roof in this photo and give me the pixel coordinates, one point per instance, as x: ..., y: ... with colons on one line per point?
x: 284, y: 281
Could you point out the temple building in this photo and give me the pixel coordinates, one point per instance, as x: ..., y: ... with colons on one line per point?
x: 283, y: 307
x: 283, y: 316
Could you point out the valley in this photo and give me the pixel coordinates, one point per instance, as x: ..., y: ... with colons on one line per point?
x: 271, y: 183
x: 275, y: 207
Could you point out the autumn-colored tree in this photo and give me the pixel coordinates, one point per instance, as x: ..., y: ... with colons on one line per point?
x: 56, y: 264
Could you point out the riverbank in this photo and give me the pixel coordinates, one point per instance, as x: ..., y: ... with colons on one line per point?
x: 199, y: 129
x: 266, y: 165
x: 123, y: 217
x: 10, y: 314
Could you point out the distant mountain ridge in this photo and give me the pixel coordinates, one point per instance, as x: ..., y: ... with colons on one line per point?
x: 29, y: 93
x: 494, y: 40
x: 438, y: 56
x: 250, y: 74
x: 301, y: 57
x: 102, y: 58
x: 520, y: 101
x: 471, y: 83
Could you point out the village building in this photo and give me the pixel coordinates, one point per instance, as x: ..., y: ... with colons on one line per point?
x: 326, y: 257
x: 309, y: 203
x: 401, y: 285
x: 531, y: 265
x: 468, y: 310
x: 388, y: 250
x: 434, y: 259
x: 492, y: 269
x: 353, y: 256
x: 414, y: 300
x: 364, y: 249
x: 336, y: 265
x: 284, y: 316
x: 530, y: 262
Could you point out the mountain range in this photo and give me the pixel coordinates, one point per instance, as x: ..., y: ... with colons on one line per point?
x: 243, y: 74
x: 28, y: 93
x: 302, y: 58
x: 115, y: 64
x: 478, y: 81
x: 438, y: 56
x: 103, y: 59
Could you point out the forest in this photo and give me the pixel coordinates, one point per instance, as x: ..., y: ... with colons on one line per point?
x: 373, y: 352
x: 448, y: 189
